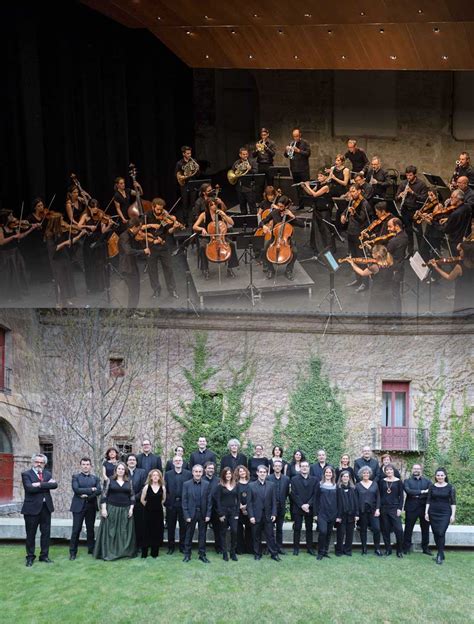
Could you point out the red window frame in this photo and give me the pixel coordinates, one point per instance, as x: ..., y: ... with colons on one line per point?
x: 393, y: 387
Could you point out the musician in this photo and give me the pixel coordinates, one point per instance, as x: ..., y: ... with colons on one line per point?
x: 381, y: 272
x: 206, y: 192
x: 161, y: 225
x: 413, y: 194
x: 298, y: 153
x: 357, y: 156
x: 34, y: 252
x: 201, y: 225
x: 262, y: 510
x: 277, y: 215
x: 86, y: 487
x: 303, y: 489
x: 463, y: 169
x: 97, y: 225
x: 188, y: 167
x: 432, y: 236
x: 264, y: 152
x: 463, y: 274
x: 377, y: 178
x: 357, y: 218
x: 196, y: 502
x: 322, y: 212
x: 463, y: 185
x: 282, y: 488
x: 397, y: 248
x: 362, y: 184
x: 123, y: 198
x: 130, y: 250
x: 379, y: 227
x: 174, y: 478
x: 339, y: 177
x: 75, y: 205
x: 245, y: 187
x: 13, y: 281
x: 458, y: 223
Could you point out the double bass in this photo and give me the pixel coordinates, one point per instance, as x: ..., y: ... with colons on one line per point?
x: 217, y: 249
x: 140, y: 206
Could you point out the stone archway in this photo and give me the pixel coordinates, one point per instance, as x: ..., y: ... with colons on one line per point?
x: 6, y: 463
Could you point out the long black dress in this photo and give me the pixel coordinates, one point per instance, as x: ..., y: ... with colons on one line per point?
x: 440, y: 500
x: 380, y: 300
x: 61, y: 267
x: 154, y: 525
x: 13, y: 283
x: 95, y: 257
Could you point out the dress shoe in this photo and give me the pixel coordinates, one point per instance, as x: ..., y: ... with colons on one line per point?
x: 281, y: 551
x: 170, y: 550
x: 296, y: 551
x: 364, y: 551
x: 353, y: 283
x: 186, y: 558
x: 29, y: 563
x: 257, y: 557
x: 174, y: 294
x: 230, y: 273
x: 45, y: 560
x: 439, y: 559
x: 275, y: 558
x: 156, y: 293
x: 388, y: 552
x: 311, y: 552
x: 427, y: 551
x: 361, y: 288
x: 234, y: 557
x: 289, y: 275
x: 319, y: 557
x: 72, y: 557
x: 377, y: 553
x: 204, y: 559
x: 400, y: 554
x: 225, y: 556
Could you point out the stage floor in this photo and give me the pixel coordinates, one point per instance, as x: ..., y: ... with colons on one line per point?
x: 219, y: 285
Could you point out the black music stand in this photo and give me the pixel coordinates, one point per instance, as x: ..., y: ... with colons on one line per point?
x: 251, y: 244
x: 277, y: 173
x: 333, y: 266
x: 256, y: 182
x: 195, y: 185
x: 435, y: 180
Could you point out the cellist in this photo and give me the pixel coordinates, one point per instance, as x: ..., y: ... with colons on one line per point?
x: 201, y: 226
x: 279, y: 212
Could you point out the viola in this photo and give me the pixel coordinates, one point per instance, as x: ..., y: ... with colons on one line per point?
x: 217, y: 249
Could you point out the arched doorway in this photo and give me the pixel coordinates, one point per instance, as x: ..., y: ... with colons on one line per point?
x: 6, y: 464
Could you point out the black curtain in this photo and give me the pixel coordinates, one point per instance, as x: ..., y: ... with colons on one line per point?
x: 84, y: 94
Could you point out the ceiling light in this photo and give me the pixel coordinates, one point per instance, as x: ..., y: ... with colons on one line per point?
x: 308, y: 15
x: 362, y: 13
x: 343, y: 57
x: 250, y: 56
x: 329, y: 32
x: 444, y: 57
x: 207, y: 56
x: 393, y: 57
x: 188, y: 32
x: 296, y: 57
x: 436, y: 30
x: 255, y: 15
x: 420, y: 11
x: 381, y: 31
x: 233, y: 32
x: 280, y: 32
x: 207, y: 17
x: 158, y: 18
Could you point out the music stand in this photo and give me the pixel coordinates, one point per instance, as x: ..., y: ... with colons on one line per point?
x: 333, y: 266
x: 195, y: 185
x: 251, y: 244
x: 435, y: 180
x: 256, y: 181
x: 279, y: 172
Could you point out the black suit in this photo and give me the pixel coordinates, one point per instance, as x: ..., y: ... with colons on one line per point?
x: 37, y: 509
x: 229, y: 461
x: 371, y: 463
x: 302, y: 493
x: 262, y: 506
x: 282, y: 490
x: 196, y: 508
x: 201, y: 458
x: 174, y: 505
x: 84, y: 507
x: 149, y: 462
x: 138, y: 480
x: 415, y: 509
x: 129, y: 251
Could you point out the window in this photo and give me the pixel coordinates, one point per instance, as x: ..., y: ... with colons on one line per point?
x: 47, y: 448
x: 117, y: 368
x: 124, y: 446
x: 395, y: 404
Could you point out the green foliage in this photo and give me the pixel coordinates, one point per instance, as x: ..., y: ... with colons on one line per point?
x: 460, y: 463
x: 278, y: 438
x: 316, y: 417
x: 433, y: 453
x: 217, y: 415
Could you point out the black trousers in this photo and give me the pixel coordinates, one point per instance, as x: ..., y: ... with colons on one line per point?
x: 161, y: 253
x: 185, y: 207
x: 268, y: 266
x: 325, y: 527
x: 354, y: 251
x: 407, y: 218
x: 391, y: 522
x: 232, y: 262
x: 216, y: 529
x: 280, y: 519
x: 367, y: 519
x: 88, y: 514
x: 345, y: 534
x: 247, y: 200
x: 297, y: 525
x: 229, y: 522
x: 300, y: 176
x: 43, y: 521
x: 326, y: 232
x: 175, y: 515
x: 264, y: 526
x: 244, y: 535
x: 133, y: 284
x: 198, y: 520
x: 411, y: 517
x: 265, y: 168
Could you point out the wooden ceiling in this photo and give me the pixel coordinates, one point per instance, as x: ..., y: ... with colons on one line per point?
x: 307, y: 34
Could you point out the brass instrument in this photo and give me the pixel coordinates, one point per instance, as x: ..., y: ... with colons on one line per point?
x: 241, y: 169
x: 261, y: 146
x: 189, y: 170
x: 291, y: 152
x: 456, y: 173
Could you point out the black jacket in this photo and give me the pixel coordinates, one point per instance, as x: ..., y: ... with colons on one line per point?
x: 302, y: 492
x: 282, y: 491
x: 414, y: 200
x: 315, y: 470
x: 364, y: 463
x: 266, y: 157
x: 83, y: 484
x: 170, y: 466
x: 138, y: 480
x: 201, y: 458
x: 414, y: 498
x: 232, y: 462
x: 382, y: 181
x: 149, y: 462
x: 262, y: 501
x: 174, y: 487
x: 129, y: 251
x: 300, y: 162
x: 347, y: 502
x: 189, y: 506
x: 34, y: 496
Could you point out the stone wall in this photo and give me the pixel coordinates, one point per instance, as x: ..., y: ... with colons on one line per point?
x: 305, y: 98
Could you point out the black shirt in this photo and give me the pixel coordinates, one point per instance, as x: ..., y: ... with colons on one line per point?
x: 391, y: 494
x: 277, y: 217
x: 359, y: 220
x: 397, y: 247
x: 199, y: 457
x: 468, y: 172
x: 196, y: 493
x: 382, y: 181
x: 124, y: 203
x: 254, y: 463
x: 300, y: 161
x: 369, y: 498
x: 358, y: 159
x: 458, y: 224
x: 266, y: 157
x: 118, y: 495
x: 414, y: 200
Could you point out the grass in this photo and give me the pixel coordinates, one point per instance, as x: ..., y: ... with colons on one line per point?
x: 297, y: 590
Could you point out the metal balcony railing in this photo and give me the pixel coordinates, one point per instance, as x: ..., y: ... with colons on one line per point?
x: 399, y: 438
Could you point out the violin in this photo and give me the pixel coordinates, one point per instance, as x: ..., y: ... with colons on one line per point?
x: 280, y: 252
x: 363, y: 261
x: 418, y: 217
x: 441, y: 211
x: 20, y: 224
x: 451, y: 260
x: 365, y: 233
x: 101, y: 217
x: 377, y: 240
x: 165, y: 218
x: 259, y: 231
x: 146, y: 237
x: 217, y: 249
x: 68, y: 227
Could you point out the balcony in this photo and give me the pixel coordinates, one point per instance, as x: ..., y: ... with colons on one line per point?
x: 5, y: 380
x: 399, y: 439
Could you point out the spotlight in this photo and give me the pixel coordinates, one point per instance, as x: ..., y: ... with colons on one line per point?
x: 436, y: 30
x: 444, y: 57
x: 393, y: 57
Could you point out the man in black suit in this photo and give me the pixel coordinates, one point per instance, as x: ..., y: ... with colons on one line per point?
x: 202, y: 455
x: 298, y: 153
x: 282, y: 488
x: 211, y: 477
x: 138, y: 477
x: 366, y: 461
x: 174, y: 480
x: 234, y: 458
x: 196, y: 510
x: 416, y: 488
x: 129, y: 250
x: 397, y: 247
x: 86, y: 488
x: 148, y: 460
x: 317, y: 469
x: 303, y: 488
x: 262, y: 510
x: 38, y: 507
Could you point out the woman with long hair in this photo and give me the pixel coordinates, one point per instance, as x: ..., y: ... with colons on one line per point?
x: 381, y: 272
x: 347, y: 513
x: 391, y: 505
x: 227, y: 501
x: 325, y: 510
x: 440, y: 510
x: 244, y: 528
x: 153, y: 498
x: 345, y: 466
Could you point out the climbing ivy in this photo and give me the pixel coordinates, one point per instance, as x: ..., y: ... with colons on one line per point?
x: 433, y: 454
x: 215, y: 414
x: 460, y: 463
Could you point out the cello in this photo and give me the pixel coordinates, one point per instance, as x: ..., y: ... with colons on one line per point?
x: 217, y: 249
x: 280, y: 252
x: 259, y: 231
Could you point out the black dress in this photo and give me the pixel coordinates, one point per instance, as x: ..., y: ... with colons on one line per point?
x: 154, y: 525
x: 61, y: 267
x: 13, y: 283
x: 244, y: 528
x: 95, y: 257
x: 109, y: 468
x: 380, y: 300
x: 440, y: 500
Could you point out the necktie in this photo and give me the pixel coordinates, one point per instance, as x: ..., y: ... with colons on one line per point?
x: 40, y: 475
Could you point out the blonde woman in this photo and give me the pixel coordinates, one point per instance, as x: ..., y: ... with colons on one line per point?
x: 153, y: 498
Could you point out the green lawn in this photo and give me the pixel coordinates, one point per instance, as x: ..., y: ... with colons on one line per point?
x: 297, y: 590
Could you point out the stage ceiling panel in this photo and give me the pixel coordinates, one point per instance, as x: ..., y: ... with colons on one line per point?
x: 307, y: 34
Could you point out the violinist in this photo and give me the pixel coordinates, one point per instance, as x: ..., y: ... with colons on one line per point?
x: 379, y: 268
x: 162, y: 225
x: 123, y: 198
x: 432, y: 237
x: 412, y: 193
x: 322, y: 213
x: 35, y: 252
x: 97, y: 224
x: 59, y: 239
x: 281, y: 212
x: 357, y: 219
x: 456, y: 222
x: 379, y: 226
x: 129, y: 250
x: 366, y: 188
x: 201, y: 226
x: 397, y: 248
x: 462, y: 273
x: 463, y: 185
x: 13, y: 281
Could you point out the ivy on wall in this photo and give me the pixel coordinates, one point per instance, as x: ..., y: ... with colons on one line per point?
x: 460, y: 463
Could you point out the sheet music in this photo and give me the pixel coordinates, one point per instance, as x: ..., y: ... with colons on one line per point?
x: 416, y: 263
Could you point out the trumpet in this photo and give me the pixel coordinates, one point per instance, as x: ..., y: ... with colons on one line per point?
x: 291, y: 151
x: 261, y: 146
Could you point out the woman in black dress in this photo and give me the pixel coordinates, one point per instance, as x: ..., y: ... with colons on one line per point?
x: 110, y: 462
x: 381, y: 272
x: 227, y: 502
x: 347, y: 513
x: 277, y: 453
x: 116, y: 535
x: 153, y: 498
x: 35, y: 252
x: 75, y: 205
x: 463, y: 274
x: 325, y: 510
x: 257, y: 460
x: 123, y: 199
x: 368, y: 496
x: 293, y: 467
x: 391, y: 505
x: 95, y: 248
x: 244, y: 528
x: 440, y: 510
x: 386, y: 460
x: 13, y: 281
x: 345, y: 466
